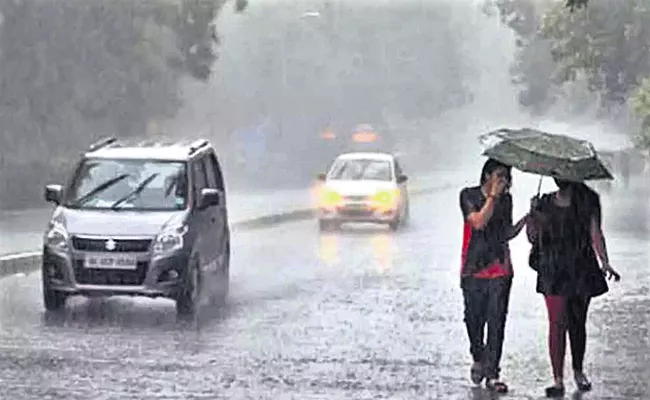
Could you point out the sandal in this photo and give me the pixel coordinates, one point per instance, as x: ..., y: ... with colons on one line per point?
x: 476, y: 373
x: 582, y: 382
x: 496, y: 386
x: 555, y: 391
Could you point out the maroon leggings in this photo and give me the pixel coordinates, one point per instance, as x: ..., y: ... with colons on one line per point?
x: 566, y: 314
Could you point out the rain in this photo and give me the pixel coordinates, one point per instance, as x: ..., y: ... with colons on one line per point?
x: 365, y: 308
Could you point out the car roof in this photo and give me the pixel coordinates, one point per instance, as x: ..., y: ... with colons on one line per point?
x: 366, y: 156
x: 150, y: 150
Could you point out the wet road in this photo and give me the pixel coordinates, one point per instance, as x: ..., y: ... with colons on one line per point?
x: 364, y: 314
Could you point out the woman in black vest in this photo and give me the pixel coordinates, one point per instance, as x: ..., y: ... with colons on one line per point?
x: 567, y: 238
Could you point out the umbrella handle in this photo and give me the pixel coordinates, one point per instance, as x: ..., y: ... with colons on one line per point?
x: 539, y: 185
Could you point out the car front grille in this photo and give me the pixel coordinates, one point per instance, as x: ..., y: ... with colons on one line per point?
x: 121, y: 245
x: 356, y: 198
x: 352, y: 212
x: 86, y: 276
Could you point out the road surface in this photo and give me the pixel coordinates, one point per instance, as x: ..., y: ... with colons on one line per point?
x: 364, y: 314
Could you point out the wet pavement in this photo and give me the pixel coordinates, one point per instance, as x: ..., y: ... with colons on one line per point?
x: 362, y: 314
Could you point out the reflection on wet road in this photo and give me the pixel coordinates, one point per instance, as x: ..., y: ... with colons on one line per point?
x: 361, y: 314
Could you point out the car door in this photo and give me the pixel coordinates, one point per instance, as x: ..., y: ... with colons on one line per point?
x: 218, y: 215
x: 201, y: 216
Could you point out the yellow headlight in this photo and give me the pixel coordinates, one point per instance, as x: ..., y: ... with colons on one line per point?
x: 386, y: 198
x: 330, y: 198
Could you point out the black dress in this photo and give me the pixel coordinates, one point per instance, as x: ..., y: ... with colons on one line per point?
x: 562, y: 255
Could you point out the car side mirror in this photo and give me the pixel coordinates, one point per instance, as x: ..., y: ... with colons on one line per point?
x: 402, y: 178
x: 322, y: 177
x: 210, y: 198
x: 54, y: 194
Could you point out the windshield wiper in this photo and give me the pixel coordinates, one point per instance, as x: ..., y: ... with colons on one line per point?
x: 135, y: 191
x: 98, y: 189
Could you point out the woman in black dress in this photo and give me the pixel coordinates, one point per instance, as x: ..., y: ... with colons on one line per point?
x: 565, y: 231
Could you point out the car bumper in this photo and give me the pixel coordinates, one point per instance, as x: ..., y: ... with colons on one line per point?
x: 358, y: 213
x: 65, y: 272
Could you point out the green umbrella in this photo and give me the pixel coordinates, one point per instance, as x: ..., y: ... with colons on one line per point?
x: 545, y: 154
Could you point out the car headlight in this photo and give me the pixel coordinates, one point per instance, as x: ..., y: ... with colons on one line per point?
x: 330, y: 198
x: 386, y: 198
x: 169, y: 240
x: 57, y: 237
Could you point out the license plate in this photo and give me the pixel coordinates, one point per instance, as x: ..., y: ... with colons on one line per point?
x: 110, y: 261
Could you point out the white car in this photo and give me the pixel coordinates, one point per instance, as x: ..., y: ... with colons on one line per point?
x: 363, y: 187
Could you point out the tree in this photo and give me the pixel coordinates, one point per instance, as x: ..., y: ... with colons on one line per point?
x: 604, y: 42
x: 640, y: 103
x: 72, y: 72
x: 574, y: 4
x: 533, y: 65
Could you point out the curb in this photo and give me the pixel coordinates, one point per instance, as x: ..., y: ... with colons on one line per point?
x: 25, y: 263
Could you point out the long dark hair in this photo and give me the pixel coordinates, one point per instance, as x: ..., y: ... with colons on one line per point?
x: 586, y: 200
x: 490, y: 166
x: 585, y: 203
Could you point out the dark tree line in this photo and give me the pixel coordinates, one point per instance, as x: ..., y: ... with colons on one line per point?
x: 72, y: 71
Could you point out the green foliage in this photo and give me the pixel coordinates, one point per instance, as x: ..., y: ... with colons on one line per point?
x: 357, y: 63
x: 74, y: 71
x: 640, y: 103
x: 574, y: 4
x: 606, y: 42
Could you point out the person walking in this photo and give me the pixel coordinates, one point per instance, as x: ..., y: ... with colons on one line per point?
x: 486, y: 270
x: 565, y: 230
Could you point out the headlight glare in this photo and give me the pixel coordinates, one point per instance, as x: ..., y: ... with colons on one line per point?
x: 330, y: 198
x: 57, y: 237
x: 386, y: 198
x: 169, y: 240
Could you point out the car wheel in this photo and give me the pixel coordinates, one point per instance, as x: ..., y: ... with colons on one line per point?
x: 406, y: 218
x: 52, y: 299
x: 328, y: 226
x: 394, y: 225
x: 223, y: 278
x: 188, y: 298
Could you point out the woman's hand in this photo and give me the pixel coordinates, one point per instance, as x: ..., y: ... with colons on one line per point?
x: 498, y: 187
x: 610, y: 273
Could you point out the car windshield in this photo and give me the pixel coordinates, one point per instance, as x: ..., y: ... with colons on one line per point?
x: 128, y: 184
x: 356, y: 170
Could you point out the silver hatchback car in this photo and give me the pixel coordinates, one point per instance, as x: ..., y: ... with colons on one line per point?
x: 143, y: 220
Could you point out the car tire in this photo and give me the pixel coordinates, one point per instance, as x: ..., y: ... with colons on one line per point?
x: 188, y: 298
x: 394, y: 225
x: 406, y: 218
x: 223, y: 279
x: 52, y: 300
x: 327, y: 226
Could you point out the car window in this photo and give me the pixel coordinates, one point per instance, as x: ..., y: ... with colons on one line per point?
x: 349, y: 169
x: 211, y: 180
x: 398, y: 168
x: 136, y: 184
x: 199, y: 179
x: 213, y: 172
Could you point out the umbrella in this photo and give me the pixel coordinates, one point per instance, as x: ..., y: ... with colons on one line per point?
x: 545, y: 154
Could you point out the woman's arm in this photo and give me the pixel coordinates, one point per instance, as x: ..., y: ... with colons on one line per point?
x: 532, y: 227
x: 599, y: 245
x: 516, y: 228
x: 598, y: 242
